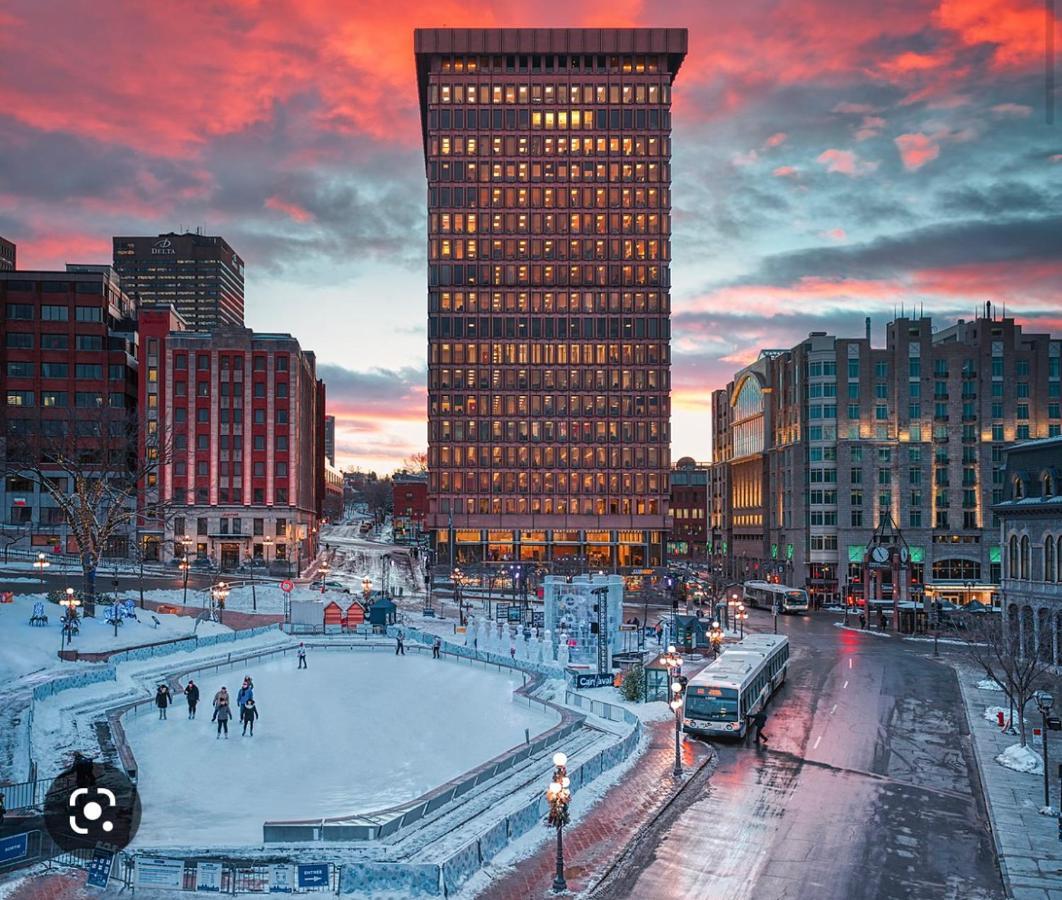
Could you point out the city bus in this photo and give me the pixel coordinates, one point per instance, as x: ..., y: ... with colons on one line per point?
x: 721, y: 698
x: 766, y: 594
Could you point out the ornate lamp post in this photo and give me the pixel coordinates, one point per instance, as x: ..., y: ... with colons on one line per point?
x: 742, y: 615
x: 70, y: 603
x: 559, y: 796
x: 673, y: 662
x: 715, y: 637
x: 40, y: 564
x: 324, y: 569
x: 183, y: 565
x: 219, y: 594
x: 1044, y: 702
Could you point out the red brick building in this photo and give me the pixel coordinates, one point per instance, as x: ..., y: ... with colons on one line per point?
x: 68, y: 351
x: 410, y: 504
x: 244, y: 412
x: 689, y: 511
x: 548, y: 159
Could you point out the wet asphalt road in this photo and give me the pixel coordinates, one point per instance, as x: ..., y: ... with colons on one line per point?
x: 868, y: 788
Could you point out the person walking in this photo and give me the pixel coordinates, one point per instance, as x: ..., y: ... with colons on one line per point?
x: 881, y: 620
x: 863, y: 619
x: 162, y: 700
x: 758, y: 721
x: 248, y: 713
x: 191, y: 696
x: 302, y: 656
x: 436, y: 646
x: 400, y: 644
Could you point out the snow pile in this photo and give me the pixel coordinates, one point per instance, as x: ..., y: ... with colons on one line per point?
x: 987, y: 684
x: 992, y: 714
x: 28, y: 647
x: 1021, y: 759
x: 856, y: 628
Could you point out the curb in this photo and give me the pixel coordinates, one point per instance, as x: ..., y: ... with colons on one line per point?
x: 1001, y: 861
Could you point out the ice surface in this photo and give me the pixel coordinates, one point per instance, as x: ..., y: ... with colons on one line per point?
x: 987, y: 684
x: 355, y: 732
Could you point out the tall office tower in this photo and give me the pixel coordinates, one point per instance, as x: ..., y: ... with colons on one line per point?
x: 200, y: 275
x: 330, y: 439
x: 7, y: 256
x: 547, y: 153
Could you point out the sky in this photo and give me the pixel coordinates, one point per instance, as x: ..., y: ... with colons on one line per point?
x: 832, y: 159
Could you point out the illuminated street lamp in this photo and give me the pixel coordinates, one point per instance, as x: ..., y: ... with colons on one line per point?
x: 742, y: 615
x: 324, y: 569
x: 366, y: 586
x: 559, y: 796
x: 715, y: 637
x: 673, y: 662
x: 70, y: 603
x: 40, y: 564
x: 219, y: 594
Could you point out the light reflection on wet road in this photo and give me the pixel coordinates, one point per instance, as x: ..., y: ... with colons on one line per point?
x: 866, y: 791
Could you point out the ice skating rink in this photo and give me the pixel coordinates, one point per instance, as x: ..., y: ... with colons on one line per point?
x: 355, y: 732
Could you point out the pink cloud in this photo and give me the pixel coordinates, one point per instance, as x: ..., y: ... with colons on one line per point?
x: 786, y: 172
x: 293, y: 210
x: 1011, y: 111
x: 834, y: 234
x: 917, y: 149
x: 776, y: 139
x: 871, y: 127
x: 845, y: 162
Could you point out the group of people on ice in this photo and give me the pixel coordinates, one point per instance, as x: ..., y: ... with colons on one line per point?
x: 222, y: 706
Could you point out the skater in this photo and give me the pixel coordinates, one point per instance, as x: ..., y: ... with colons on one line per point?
x: 191, y: 695
x: 758, y: 721
x: 222, y: 714
x: 246, y: 693
x: 302, y: 656
x: 512, y: 650
x: 162, y: 700
x: 221, y: 696
x: 400, y: 644
x: 248, y: 714
x: 436, y: 646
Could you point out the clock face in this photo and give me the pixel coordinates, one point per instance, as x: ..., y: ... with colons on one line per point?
x: 903, y: 554
x: 880, y: 554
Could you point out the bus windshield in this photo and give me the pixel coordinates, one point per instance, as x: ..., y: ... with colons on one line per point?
x: 719, y: 704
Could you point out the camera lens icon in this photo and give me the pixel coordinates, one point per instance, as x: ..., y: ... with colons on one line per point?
x: 92, y: 804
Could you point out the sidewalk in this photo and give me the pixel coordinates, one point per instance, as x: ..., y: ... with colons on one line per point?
x: 1027, y: 844
x: 595, y: 842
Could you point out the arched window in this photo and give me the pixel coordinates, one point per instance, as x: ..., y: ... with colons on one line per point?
x: 1049, y: 558
x: 1024, y: 557
x: 1058, y: 560
x: 1019, y: 488
x: 1048, y: 485
x: 1012, y: 557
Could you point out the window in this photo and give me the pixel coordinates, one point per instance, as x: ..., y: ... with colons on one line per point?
x: 20, y: 311
x: 282, y: 363
x: 1049, y: 558
x: 19, y: 340
x: 89, y: 342
x: 201, y: 525
x: 54, y: 370
x: 88, y: 314
x: 282, y: 442
x: 88, y: 370
x: 19, y: 369
x: 1024, y: 557
x: 281, y: 469
x: 20, y: 398
x: 55, y: 313
x: 282, y: 527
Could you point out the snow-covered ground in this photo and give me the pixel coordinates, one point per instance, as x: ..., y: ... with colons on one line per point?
x: 1021, y: 759
x: 355, y: 732
x: 27, y: 648
x: 992, y: 714
x: 987, y: 684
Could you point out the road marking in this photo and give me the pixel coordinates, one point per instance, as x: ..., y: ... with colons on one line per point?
x: 816, y: 747
x: 845, y: 685
x: 832, y: 711
x: 849, y: 662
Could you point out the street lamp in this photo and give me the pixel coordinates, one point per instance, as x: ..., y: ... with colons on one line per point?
x: 40, y: 564
x: 742, y: 615
x: 1044, y: 702
x: 673, y: 662
x: 324, y: 569
x: 184, y: 565
x: 366, y: 586
x: 559, y: 796
x: 715, y: 637
x: 219, y: 593
x: 71, y: 603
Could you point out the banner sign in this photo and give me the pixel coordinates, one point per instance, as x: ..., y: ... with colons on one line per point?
x: 14, y: 847
x: 208, y: 877
x: 281, y: 878
x: 159, y: 873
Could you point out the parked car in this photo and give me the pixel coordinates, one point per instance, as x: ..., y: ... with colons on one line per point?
x: 332, y: 586
x: 203, y: 564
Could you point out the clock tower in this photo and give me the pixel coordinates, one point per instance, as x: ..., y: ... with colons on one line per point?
x: 887, y: 551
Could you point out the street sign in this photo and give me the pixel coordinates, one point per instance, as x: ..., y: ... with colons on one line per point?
x: 593, y: 679
x: 287, y: 586
x: 14, y: 847
x: 312, y: 875
x: 1054, y: 724
x: 99, y: 870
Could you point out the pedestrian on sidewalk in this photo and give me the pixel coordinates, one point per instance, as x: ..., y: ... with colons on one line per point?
x: 400, y: 644
x: 162, y: 700
x: 248, y: 714
x: 881, y: 620
x: 191, y: 696
x: 436, y: 646
x: 863, y: 619
x: 302, y: 656
x: 758, y: 721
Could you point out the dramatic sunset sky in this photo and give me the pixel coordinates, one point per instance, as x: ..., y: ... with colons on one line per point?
x: 832, y: 159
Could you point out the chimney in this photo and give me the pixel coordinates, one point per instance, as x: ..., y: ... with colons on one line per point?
x: 868, y: 329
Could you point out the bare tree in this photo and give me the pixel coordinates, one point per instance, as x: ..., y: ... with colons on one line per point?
x: 414, y: 464
x: 93, y: 463
x: 1018, y: 664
